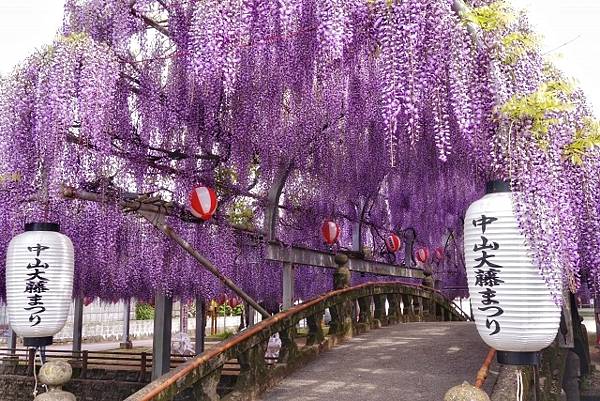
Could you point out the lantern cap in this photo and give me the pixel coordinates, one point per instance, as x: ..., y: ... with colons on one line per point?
x: 497, y: 186
x: 42, y: 227
x: 37, y: 341
x: 518, y: 358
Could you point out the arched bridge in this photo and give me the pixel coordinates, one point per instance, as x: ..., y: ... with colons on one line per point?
x: 399, y: 355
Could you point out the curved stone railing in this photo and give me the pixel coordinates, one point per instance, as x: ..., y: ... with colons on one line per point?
x: 353, y: 311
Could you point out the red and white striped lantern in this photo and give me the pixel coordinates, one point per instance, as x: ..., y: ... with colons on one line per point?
x: 330, y: 231
x: 203, y: 202
x: 422, y: 255
x: 439, y: 254
x: 393, y: 243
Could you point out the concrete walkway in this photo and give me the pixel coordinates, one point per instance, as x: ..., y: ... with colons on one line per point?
x: 405, y: 362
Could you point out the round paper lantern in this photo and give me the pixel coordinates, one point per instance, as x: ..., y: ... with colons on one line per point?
x: 422, y: 255
x: 203, y: 202
x: 514, y: 310
x: 393, y: 243
x: 439, y: 254
x: 234, y: 302
x: 39, y: 282
x: 330, y: 231
x: 223, y: 299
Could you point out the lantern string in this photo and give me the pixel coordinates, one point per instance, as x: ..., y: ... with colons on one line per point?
x: 519, y: 385
x: 42, y: 355
x: 35, y: 390
x: 39, y: 355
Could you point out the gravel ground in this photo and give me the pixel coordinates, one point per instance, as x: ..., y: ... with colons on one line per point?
x: 405, y: 362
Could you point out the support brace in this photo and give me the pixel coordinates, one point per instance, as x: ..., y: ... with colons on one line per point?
x: 207, y: 264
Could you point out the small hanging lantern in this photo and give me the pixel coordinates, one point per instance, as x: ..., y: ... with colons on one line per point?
x: 439, y: 254
x: 203, y: 202
x: 514, y: 310
x: 234, y: 302
x: 223, y: 299
x: 393, y: 243
x: 422, y: 255
x: 330, y: 231
x: 39, y: 282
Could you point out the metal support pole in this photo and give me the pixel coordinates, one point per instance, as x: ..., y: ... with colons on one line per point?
x: 288, y: 285
x: 13, y: 342
x: 200, y: 325
x: 125, y: 341
x: 161, y: 342
x: 77, y: 324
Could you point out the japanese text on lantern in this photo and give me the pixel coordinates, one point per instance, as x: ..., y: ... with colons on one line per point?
x: 486, y: 274
x: 36, y: 284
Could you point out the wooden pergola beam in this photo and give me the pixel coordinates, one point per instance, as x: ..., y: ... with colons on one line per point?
x: 155, y: 215
x: 309, y: 257
x: 207, y: 264
x: 132, y: 203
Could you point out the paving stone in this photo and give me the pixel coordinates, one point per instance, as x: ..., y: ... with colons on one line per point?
x: 405, y: 362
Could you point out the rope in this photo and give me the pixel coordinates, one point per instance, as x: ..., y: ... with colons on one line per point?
x: 42, y: 355
x: 519, y: 385
x: 35, y: 387
x: 35, y: 390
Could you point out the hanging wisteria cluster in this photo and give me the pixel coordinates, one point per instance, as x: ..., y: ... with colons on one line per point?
x: 387, y: 115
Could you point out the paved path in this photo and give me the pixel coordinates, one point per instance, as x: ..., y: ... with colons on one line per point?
x: 405, y: 362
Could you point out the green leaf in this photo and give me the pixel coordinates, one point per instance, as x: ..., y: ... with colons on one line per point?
x: 535, y: 108
x: 586, y: 139
x: 516, y: 45
x: 241, y: 214
x: 493, y: 17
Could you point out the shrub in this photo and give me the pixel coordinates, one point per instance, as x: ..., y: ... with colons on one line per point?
x: 144, y: 311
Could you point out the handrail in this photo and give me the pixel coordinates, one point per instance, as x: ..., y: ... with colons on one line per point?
x: 485, y: 368
x: 168, y: 383
x: 460, y: 311
x: 90, y: 353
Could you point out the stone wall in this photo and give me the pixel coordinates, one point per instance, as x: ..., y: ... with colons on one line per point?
x: 20, y: 388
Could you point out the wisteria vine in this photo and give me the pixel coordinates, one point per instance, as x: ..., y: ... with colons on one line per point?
x: 391, y: 113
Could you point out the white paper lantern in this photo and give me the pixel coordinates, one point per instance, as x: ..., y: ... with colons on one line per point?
x: 39, y: 282
x: 514, y: 310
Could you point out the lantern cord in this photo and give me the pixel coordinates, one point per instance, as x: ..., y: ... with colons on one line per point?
x: 519, y: 385
x: 42, y: 355
x: 35, y: 391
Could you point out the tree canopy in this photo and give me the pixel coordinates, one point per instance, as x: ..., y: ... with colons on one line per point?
x: 388, y: 113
